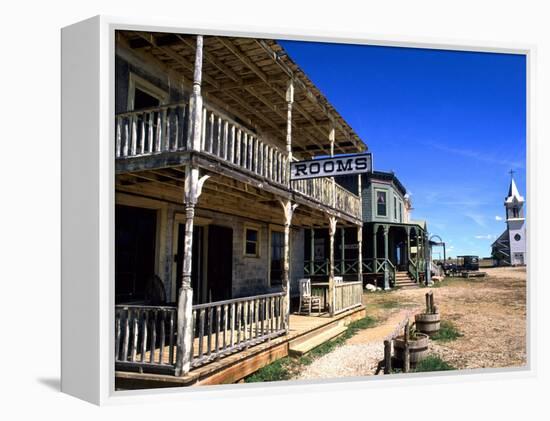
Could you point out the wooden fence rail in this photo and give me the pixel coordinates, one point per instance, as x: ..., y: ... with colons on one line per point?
x: 145, y: 337
x: 166, y: 129
x: 223, y: 327
x: 347, y: 295
x: 152, y: 131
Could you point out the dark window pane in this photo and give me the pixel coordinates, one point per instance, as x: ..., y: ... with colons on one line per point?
x: 251, y: 235
x: 250, y: 248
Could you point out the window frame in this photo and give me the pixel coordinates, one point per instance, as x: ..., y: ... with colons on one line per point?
x: 135, y: 81
x: 245, y: 240
x: 385, y: 191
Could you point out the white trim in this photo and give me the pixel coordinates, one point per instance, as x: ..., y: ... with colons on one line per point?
x: 257, y: 228
x: 135, y: 81
x: 386, y: 191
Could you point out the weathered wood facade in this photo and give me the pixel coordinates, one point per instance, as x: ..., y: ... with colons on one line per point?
x: 206, y: 128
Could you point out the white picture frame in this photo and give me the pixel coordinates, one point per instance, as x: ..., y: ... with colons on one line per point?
x: 88, y: 203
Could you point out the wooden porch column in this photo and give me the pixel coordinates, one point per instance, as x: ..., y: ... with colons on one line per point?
x: 360, y: 232
x: 332, y: 138
x: 386, y: 273
x: 408, y: 245
x: 193, y: 187
x: 374, y: 246
x: 288, y: 209
x: 331, y: 231
x: 312, y: 251
x: 342, y: 252
x: 360, y: 253
x: 289, y: 102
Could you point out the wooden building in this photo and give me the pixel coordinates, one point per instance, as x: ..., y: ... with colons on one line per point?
x: 394, y: 246
x: 209, y: 228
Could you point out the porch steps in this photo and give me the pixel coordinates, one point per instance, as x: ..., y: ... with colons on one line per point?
x: 306, y: 343
x: 404, y: 280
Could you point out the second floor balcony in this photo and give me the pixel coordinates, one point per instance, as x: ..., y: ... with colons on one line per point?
x: 158, y: 137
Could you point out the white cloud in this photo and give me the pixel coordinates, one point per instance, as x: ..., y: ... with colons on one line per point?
x: 499, y: 218
x: 486, y: 237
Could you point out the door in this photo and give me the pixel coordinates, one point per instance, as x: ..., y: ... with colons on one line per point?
x: 220, y: 263
x: 135, y: 233
x: 197, y: 262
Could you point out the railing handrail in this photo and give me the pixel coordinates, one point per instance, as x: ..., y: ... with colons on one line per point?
x: 236, y: 300
x: 346, y: 283
x: 144, y: 307
x: 161, y: 107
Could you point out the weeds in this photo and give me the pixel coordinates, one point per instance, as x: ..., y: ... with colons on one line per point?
x: 447, y: 332
x: 433, y: 363
x: 282, y: 369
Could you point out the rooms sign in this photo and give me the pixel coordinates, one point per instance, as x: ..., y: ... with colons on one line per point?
x: 331, y: 167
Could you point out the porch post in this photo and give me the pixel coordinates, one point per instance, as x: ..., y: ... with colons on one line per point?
x: 342, y: 250
x: 408, y: 245
x: 193, y: 187
x: 374, y: 246
x: 360, y: 232
x: 289, y: 102
x: 288, y: 209
x: 312, y: 252
x: 331, y: 231
x: 386, y: 273
x: 331, y: 138
x: 360, y: 252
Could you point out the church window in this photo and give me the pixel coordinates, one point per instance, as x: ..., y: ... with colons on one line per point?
x: 517, y: 237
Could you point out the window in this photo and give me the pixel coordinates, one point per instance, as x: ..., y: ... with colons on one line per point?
x: 251, y: 242
x: 381, y: 209
x: 517, y: 237
x: 400, y: 211
x: 143, y: 94
x: 394, y: 207
x: 515, y: 213
x: 277, y: 254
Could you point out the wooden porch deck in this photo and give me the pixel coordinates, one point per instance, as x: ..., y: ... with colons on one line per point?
x: 234, y: 367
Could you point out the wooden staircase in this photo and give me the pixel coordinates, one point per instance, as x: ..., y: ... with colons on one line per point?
x: 404, y: 280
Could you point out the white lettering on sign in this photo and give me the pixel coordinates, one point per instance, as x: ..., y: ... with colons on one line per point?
x: 331, y: 167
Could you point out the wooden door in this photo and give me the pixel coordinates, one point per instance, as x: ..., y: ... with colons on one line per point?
x: 135, y: 233
x: 220, y: 263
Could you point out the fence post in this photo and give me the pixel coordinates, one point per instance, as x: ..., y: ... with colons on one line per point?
x: 387, y: 356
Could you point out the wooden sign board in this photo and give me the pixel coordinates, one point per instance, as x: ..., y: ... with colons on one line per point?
x: 332, y: 166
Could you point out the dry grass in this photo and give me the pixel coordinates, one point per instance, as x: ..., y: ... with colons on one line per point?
x: 490, y: 312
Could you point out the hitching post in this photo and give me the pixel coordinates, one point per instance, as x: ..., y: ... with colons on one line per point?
x: 428, y: 260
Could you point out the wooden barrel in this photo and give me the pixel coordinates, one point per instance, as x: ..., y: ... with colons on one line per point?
x: 418, y: 348
x: 428, y: 323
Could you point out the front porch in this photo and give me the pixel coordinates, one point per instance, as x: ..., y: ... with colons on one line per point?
x: 232, y: 366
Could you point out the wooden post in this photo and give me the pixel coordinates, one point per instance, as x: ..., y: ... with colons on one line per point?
x: 386, y: 271
x: 360, y: 232
x: 288, y: 209
x: 408, y: 245
x: 342, y: 250
x: 428, y: 306
x: 332, y: 138
x: 406, y: 352
x: 193, y: 188
x: 289, y: 102
x: 312, y: 252
x: 387, y: 357
x: 374, y: 246
x: 331, y: 295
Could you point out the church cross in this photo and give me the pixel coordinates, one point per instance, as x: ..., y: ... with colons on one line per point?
x: 512, y: 172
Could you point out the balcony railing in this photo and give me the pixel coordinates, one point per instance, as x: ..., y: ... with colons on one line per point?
x: 165, y: 129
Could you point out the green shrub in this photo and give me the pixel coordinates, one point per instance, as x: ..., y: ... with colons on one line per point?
x: 433, y: 363
x: 447, y: 332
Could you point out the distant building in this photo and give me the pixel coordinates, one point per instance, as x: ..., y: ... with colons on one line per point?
x: 510, y: 246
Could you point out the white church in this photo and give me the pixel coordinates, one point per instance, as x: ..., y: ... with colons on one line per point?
x: 510, y: 247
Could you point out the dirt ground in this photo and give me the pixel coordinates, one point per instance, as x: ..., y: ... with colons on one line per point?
x: 489, y: 312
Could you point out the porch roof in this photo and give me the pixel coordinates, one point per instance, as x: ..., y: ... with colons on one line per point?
x: 248, y: 77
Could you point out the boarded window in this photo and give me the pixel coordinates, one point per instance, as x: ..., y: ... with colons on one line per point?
x: 381, y: 203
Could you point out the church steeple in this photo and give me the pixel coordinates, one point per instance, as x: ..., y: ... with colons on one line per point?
x: 514, y: 201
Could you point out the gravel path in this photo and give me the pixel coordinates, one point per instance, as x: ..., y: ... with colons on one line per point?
x: 490, y: 313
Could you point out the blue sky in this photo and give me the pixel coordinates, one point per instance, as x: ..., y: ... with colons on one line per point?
x: 450, y: 124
